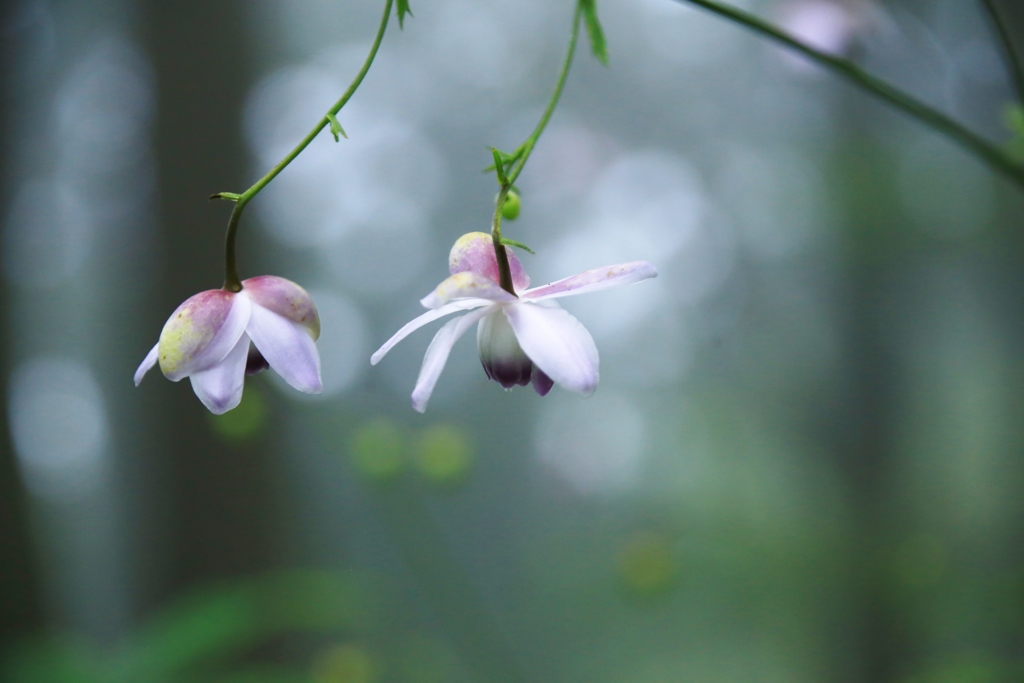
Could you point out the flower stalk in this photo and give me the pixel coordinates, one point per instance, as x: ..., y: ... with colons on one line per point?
x: 504, y: 270
x: 232, y: 283
x: 507, y: 167
x: 984, y: 150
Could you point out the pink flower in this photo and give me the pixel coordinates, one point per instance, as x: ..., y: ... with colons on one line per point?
x: 207, y: 340
x: 521, y: 338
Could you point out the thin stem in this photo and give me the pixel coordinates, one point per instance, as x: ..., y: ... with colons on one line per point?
x: 504, y: 270
x: 1013, y: 58
x: 528, y: 144
x: 523, y: 153
x: 231, y: 280
x: 981, y: 148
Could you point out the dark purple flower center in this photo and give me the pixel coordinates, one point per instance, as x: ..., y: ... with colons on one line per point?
x: 255, y: 362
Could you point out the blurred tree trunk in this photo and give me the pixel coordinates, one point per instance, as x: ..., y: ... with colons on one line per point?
x: 860, y: 430
x: 217, y: 495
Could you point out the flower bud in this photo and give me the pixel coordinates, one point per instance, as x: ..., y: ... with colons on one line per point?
x: 510, y: 209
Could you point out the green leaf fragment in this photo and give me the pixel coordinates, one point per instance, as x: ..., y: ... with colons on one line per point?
x: 598, y: 44
x: 403, y: 9
x: 499, y: 166
x: 336, y: 128
x: 519, y: 245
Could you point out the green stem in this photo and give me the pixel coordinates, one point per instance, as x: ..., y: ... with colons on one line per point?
x: 528, y: 144
x: 1013, y: 58
x: 231, y: 281
x: 523, y: 153
x: 930, y: 117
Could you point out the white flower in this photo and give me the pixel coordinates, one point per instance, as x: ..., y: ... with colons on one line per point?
x: 207, y: 340
x: 521, y: 338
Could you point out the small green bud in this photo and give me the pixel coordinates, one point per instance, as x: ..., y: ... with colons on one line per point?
x: 510, y: 209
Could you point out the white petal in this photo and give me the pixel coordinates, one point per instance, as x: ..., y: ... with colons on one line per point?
x: 594, y: 280
x: 437, y: 355
x: 417, y: 323
x: 558, y: 344
x: 220, y: 387
x: 466, y: 285
x: 148, y: 363
x: 287, y: 347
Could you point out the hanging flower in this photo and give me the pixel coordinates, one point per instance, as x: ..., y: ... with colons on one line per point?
x: 207, y: 340
x: 521, y: 339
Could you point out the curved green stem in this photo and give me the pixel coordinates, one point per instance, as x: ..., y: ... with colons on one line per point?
x: 523, y: 153
x: 231, y: 281
x: 981, y: 148
x: 528, y: 144
x: 1013, y: 58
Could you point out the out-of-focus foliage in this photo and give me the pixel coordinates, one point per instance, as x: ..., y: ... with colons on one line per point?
x: 208, y: 635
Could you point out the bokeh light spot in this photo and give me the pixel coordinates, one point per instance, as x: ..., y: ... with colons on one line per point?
x: 348, y: 663
x: 59, y: 427
x: 444, y: 455
x: 596, y: 445
x: 378, y: 450
x: 647, y: 566
x: 244, y: 422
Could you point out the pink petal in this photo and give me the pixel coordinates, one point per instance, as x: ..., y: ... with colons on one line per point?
x: 558, y: 344
x: 288, y: 347
x: 437, y: 355
x: 417, y: 323
x: 466, y: 285
x: 201, y: 332
x: 474, y: 252
x: 147, y: 364
x: 220, y: 387
x: 285, y: 298
x: 594, y: 280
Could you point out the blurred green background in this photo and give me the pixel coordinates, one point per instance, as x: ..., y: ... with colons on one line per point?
x: 804, y: 460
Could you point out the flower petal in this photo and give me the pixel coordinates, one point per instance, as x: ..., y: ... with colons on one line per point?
x: 220, y: 387
x: 201, y: 332
x: 437, y: 355
x: 285, y: 298
x: 500, y: 354
x: 557, y: 343
x: 541, y: 383
x: 418, y: 322
x: 288, y: 347
x: 474, y: 252
x: 466, y: 285
x: 594, y: 280
x: 147, y: 363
